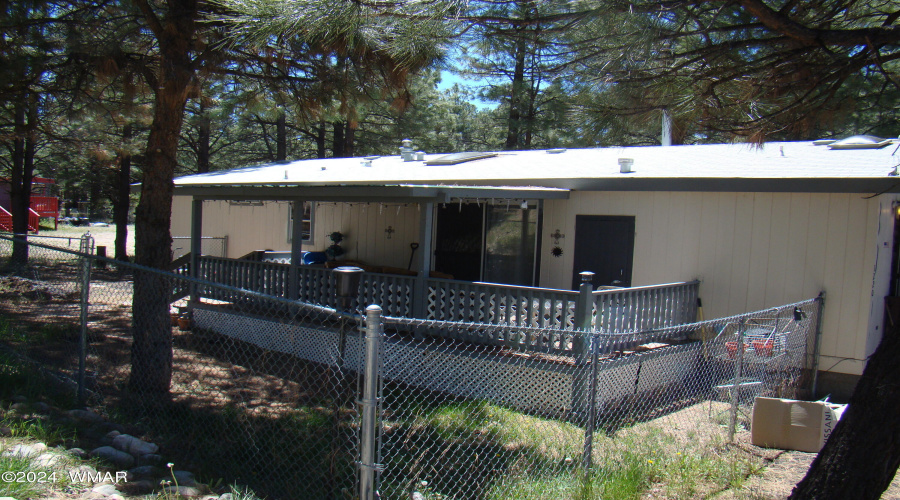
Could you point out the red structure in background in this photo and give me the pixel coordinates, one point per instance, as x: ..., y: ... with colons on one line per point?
x: 43, y: 204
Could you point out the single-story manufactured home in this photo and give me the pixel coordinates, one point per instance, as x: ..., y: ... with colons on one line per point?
x: 757, y: 225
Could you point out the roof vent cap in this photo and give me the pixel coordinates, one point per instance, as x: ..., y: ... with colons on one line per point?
x: 406, y: 150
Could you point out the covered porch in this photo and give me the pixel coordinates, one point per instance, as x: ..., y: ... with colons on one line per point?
x: 499, y: 290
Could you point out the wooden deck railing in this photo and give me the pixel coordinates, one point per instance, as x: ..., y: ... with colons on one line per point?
x: 6, y: 221
x: 645, y: 307
x: 45, y: 206
x: 499, y: 304
x: 618, y: 310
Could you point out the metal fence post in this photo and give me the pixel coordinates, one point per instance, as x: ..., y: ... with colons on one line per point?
x: 587, y: 460
x: 581, y: 344
x: 370, y: 405
x: 817, y: 343
x: 86, y: 247
x: 736, y: 382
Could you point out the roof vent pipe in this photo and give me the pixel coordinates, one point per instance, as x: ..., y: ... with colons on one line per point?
x: 420, y: 155
x: 625, y: 165
x: 406, y: 150
x: 666, y: 138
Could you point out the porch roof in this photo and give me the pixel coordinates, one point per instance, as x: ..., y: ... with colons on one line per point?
x: 393, y: 193
x: 778, y: 166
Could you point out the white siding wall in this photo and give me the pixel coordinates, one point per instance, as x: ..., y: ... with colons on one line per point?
x: 363, y: 226
x: 247, y: 227
x: 751, y: 251
x: 263, y: 227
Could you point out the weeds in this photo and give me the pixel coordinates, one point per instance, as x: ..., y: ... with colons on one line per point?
x: 19, y: 489
x: 37, y: 430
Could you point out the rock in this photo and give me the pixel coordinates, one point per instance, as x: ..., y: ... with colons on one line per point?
x: 107, y: 438
x: 145, y: 472
x: 5, y: 431
x: 42, y: 407
x: 184, y: 478
x: 115, y: 497
x: 79, y: 453
x: 140, y: 487
x: 105, y: 489
x: 19, y: 399
x: 20, y: 407
x: 86, y: 416
x: 226, y: 496
x: 118, y: 458
x: 209, y: 497
x: 185, y: 491
x: 82, y: 474
x: 25, y: 450
x: 149, y: 459
x: 48, y: 459
x: 133, y: 445
x: 63, y: 420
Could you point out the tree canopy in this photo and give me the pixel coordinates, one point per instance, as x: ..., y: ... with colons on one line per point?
x: 785, y: 69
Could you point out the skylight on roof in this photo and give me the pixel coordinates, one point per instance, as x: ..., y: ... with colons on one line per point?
x: 457, y: 158
x: 860, y: 142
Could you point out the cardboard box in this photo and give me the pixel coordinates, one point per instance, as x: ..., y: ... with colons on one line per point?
x: 793, y: 425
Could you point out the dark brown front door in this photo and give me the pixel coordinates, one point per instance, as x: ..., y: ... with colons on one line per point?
x: 604, y: 245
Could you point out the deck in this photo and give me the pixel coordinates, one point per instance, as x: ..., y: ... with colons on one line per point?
x: 543, y: 318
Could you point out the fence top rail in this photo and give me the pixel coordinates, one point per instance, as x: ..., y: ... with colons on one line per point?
x: 614, y: 291
x: 18, y: 235
x: 480, y: 327
x: 202, y: 237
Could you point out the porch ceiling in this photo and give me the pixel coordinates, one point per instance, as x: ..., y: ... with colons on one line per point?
x: 356, y: 193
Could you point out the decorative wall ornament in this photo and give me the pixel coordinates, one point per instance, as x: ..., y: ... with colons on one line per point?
x: 390, y: 230
x: 556, y: 235
x: 556, y: 252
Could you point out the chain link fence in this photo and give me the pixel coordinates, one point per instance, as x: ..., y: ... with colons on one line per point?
x: 634, y: 412
x: 256, y: 394
x: 271, y: 393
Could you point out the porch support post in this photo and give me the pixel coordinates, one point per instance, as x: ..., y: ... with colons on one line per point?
x: 196, y: 240
x: 426, y: 229
x: 296, y: 248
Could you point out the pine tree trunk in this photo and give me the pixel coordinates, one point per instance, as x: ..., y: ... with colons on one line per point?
x: 24, y: 149
x: 151, y: 353
x: 860, y: 458
x: 203, y: 141
x: 281, y: 137
x: 122, y: 198
x: 320, y: 141
x: 515, y: 98
x: 338, y: 143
